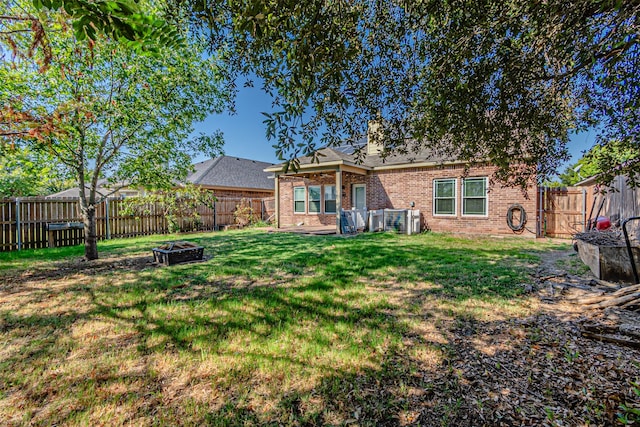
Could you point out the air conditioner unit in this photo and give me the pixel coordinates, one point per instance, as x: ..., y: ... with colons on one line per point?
x: 405, y: 221
x: 376, y: 220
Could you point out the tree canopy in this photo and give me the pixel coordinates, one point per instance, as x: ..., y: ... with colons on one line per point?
x: 105, y: 109
x: 504, y: 81
x: 27, y: 173
x: 610, y: 157
x: 122, y: 20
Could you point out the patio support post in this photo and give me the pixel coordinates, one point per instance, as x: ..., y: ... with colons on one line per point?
x: 338, y: 199
x: 277, y: 200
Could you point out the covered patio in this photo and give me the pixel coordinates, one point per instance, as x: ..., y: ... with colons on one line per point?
x: 309, y: 199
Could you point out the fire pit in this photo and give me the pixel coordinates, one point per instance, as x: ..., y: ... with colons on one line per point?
x: 172, y: 253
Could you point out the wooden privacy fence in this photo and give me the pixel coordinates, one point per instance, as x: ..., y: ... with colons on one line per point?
x: 567, y: 211
x: 564, y: 210
x: 23, y: 221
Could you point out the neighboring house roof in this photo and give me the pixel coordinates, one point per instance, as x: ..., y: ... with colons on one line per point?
x: 587, y: 181
x: 226, y: 172
x: 232, y: 172
x: 344, y: 155
x: 102, y: 189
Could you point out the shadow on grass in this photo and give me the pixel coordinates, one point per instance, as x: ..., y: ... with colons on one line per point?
x: 264, y: 304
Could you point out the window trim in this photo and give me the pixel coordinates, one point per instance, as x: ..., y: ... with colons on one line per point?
x: 455, y: 197
x: 324, y: 198
x: 486, y: 197
x: 304, y: 211
x: 319, y: 200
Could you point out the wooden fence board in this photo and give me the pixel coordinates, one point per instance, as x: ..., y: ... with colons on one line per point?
x: 564, y: 211
x: 36, y: 212
x: 619, y: 201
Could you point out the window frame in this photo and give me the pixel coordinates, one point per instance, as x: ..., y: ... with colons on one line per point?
x: 485, y: 197
x: 454, y: 197
x: 304, y: 200
x: 319, y: 200
x: 324, y: 200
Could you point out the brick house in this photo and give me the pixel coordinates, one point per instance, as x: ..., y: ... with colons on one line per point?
x: 449, y: 198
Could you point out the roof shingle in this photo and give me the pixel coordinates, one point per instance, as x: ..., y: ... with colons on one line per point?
x: 232, y: 172
x: 223, y: 171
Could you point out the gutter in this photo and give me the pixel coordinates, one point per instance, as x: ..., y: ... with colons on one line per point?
x: 280, y: 168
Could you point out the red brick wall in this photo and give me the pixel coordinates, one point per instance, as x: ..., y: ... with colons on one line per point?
x: 288, y: 217
x: 397, y: 188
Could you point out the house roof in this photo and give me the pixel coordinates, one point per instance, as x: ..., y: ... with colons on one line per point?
x: 344, y: 155
x: 220, y: 172
x: 75, y: 192
x: 232, y: 172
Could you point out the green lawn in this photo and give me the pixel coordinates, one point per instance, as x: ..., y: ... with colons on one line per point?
x: 272, y: 329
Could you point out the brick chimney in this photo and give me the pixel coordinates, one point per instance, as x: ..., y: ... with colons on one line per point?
x: 374, y: 137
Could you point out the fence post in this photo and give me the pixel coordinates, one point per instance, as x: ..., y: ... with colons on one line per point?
x: 18, y: 225
x: 584, y: 209
x: 106, y: 218
x: 262, y: 209
x: 539, y: 225
x: 215, y: 202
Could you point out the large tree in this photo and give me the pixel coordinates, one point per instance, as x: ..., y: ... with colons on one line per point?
x: 27, y: 173
x: 504, y: 81
x: 123, y: 20
x: 607, y: 158
x: 104, y: 109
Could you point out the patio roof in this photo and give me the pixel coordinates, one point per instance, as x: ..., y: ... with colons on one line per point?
x: 330, y: 159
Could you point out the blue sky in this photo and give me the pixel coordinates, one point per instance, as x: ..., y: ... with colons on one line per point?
x: 244, y: 132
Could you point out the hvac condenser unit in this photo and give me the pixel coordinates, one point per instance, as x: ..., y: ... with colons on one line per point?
x: 405, y: 221
x: 376, y: 220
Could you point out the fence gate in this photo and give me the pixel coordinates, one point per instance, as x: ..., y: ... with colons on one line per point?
x: 564, y: 210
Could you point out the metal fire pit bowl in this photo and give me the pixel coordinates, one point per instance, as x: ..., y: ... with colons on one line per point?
x: 172, y: 253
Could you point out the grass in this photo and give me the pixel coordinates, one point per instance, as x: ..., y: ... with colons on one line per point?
x: 271, y: 329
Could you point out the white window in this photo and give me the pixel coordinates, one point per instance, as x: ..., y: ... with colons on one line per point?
x: 359, y: 196
x: 444, y: 196
x: 298, y: 199
x: 314, y: 198
x: 474, y: 196
x: 329, y: 199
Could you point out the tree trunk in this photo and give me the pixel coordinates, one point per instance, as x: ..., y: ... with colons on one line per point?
x: 90, y: 240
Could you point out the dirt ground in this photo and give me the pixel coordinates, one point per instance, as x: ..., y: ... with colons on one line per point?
x: 528, y: 363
